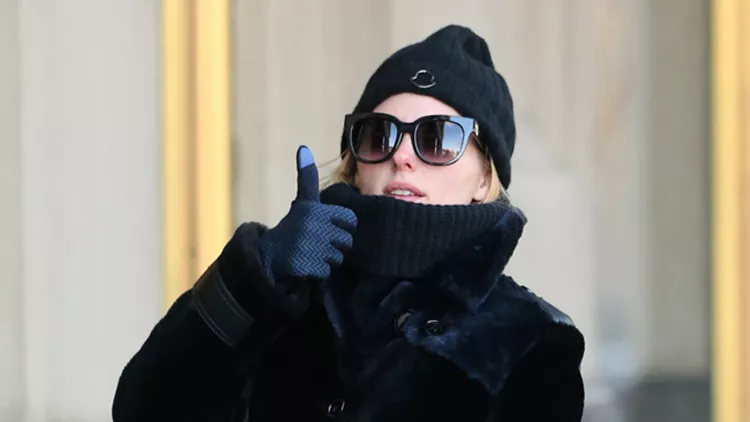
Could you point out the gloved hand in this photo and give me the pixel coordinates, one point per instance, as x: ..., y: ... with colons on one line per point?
x: 313, y: 237
x: 260, y: 275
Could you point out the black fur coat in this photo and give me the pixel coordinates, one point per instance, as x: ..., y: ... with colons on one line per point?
x: 462, y: 342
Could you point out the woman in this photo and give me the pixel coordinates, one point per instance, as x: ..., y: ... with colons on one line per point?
x: 383, y: 297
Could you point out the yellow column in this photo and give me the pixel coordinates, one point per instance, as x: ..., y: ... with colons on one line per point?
x: 213, y: 143
x: 731, y: 209
x: 196, y: 138
x: 177, y: 146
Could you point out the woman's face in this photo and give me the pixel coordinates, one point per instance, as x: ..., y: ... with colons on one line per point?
x: 462, y: 182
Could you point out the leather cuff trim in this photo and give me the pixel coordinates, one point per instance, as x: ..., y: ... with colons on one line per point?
x: 219, y: 309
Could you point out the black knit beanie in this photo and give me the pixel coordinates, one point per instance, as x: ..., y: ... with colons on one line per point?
x: 454, y: 66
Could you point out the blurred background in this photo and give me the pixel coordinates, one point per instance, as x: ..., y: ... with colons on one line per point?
x: 135, y: 135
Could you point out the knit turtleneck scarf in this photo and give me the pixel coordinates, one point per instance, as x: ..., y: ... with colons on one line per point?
x: 396, y: 238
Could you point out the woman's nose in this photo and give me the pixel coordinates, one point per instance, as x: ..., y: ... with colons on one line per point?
x: 405, y: 157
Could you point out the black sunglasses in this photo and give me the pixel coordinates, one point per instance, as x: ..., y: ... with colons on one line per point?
x: 437, y: 140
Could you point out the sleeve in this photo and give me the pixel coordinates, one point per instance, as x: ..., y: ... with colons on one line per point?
x: 197, y: 363
x: 546, y: 386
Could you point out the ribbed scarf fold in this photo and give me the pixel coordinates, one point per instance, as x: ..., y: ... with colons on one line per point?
x: 396, y: 238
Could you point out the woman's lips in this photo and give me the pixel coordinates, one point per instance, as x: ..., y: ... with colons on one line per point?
x: 403, y: 191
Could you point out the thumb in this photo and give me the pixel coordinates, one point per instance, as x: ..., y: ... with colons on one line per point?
x: 307, y: 175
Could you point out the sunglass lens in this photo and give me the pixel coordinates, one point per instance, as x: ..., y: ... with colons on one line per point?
x: 439, y: 141
x: 373, y: 138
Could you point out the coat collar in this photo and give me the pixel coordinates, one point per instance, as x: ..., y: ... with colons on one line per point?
x: 490, y: 322
x: 472, y: 273
x: 465, y: 280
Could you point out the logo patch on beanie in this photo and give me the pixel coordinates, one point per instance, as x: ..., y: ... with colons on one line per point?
x: 423, y: 79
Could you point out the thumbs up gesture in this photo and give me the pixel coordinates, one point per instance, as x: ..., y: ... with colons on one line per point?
x: 313, y: 237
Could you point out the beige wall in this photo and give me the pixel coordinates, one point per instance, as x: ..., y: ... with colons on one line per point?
x: 680, y: 203
x: 11, y: 282
x: 297, y: 70
x: 80, y: 149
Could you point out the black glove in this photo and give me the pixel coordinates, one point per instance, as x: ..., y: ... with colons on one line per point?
x: 263, y: 271
x: 313, y: 237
